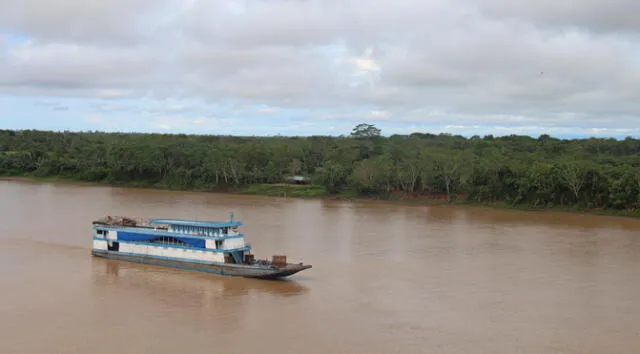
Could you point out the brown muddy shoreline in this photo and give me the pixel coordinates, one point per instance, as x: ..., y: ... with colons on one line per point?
x: 22, y: 179
x: 429, y: 200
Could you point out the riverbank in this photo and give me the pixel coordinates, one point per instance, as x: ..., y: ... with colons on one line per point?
x: 319, y: 192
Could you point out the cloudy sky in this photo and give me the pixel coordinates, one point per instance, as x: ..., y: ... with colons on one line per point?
x: 299, y: 67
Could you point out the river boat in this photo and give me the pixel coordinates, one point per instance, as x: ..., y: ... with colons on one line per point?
x: 205, y: 246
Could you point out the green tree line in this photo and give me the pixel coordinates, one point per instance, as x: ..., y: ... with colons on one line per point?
x: 541, y: 172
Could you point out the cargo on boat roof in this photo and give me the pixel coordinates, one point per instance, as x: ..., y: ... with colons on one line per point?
x: 172, y: 225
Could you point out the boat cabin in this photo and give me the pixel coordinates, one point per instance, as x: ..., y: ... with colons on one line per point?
x: 199, y: 228
x: 222, y: 238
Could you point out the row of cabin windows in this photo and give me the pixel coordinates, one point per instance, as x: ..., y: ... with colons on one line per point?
x: 202, y: 231
x: 198, y: 230
x: 169, y: 241
x: 166, y: 240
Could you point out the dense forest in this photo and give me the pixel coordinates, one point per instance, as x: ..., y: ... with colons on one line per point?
x: 542, y: 172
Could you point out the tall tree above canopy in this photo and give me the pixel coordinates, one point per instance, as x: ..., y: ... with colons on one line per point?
x: 364, y: 130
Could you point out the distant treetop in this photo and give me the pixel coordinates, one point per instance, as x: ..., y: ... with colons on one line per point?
x: 365, y: 130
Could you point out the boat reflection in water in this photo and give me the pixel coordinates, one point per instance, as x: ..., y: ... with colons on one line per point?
x: 206, y: 296
x: 108, y: 272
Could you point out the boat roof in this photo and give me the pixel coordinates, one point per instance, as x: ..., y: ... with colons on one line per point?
x: 211, y: 224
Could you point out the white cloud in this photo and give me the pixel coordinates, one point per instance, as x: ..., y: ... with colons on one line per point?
x: 380, y: 115
x: 269, y: 110
x: 457, y: 63
x: 185, y: 124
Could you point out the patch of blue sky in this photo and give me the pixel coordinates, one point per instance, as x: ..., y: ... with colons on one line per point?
x: 191, y: 116
x: 10, y: 38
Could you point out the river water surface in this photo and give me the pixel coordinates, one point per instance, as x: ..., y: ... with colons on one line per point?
x: 385, y: 279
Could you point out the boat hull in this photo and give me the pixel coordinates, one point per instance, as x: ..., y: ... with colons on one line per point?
x: 239, y: 270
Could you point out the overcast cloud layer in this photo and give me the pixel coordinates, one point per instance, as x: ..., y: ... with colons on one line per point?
x: 306, y: 66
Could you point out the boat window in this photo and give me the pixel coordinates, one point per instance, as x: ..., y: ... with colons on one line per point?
x: 168, y: 240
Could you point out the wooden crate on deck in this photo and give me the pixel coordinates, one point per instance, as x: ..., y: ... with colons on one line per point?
x: 279, y: 260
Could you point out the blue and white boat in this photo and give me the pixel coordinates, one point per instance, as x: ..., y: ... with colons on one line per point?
x: 205, y: 246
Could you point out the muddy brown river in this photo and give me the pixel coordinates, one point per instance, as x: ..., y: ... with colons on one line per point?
x: 386, y: 278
